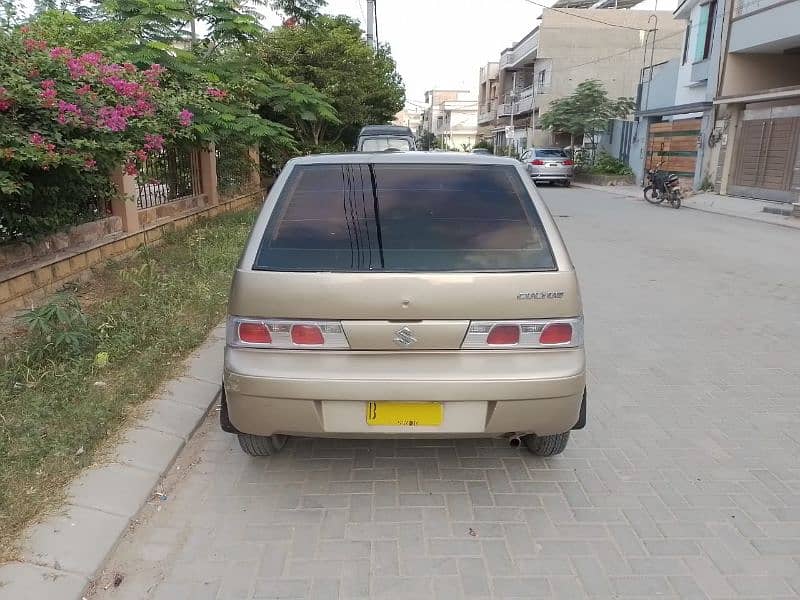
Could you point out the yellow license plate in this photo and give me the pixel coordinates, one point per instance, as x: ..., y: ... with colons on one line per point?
x: 409, y: 414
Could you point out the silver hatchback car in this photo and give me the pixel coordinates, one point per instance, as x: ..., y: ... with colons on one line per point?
x: 548, y: 164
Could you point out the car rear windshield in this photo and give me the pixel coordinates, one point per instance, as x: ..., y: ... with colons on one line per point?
x: 401, y: 218
x: 381, y: 144
x: 551, y: 153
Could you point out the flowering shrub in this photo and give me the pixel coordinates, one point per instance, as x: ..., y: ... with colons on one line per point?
x: 69, y: 114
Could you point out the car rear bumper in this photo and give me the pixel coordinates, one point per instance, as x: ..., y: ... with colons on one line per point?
x: 483, y: 393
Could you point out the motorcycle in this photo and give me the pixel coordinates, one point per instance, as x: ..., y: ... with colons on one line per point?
x: 662, y: 185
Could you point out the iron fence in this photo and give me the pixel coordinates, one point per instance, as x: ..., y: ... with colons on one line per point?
x: 234, y: 170
x: 169, y: 176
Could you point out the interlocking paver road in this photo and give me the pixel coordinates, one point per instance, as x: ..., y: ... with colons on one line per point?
x: 686, y: 483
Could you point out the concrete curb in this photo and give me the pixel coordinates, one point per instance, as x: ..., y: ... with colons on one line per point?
x: 687, y: 204
x: 63, y: 554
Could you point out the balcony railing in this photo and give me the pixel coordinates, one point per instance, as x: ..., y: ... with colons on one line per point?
x: 515, y: 55
x: 745, y: 7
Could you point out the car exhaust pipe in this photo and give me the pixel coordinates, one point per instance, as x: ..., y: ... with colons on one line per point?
x: 514, y: 441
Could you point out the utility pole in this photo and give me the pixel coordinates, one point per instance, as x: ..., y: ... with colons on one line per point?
x: 513, y: 139
x: 371, y: 23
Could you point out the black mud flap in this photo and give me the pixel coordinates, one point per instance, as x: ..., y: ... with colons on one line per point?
x: 224, y: 422
x: 582, y: 416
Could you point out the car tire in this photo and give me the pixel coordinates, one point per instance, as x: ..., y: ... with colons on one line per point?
x: 261, y: 445
x: 547, y: 445
x: 566, y: 183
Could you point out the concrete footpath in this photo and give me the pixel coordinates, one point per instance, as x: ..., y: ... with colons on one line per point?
x: 61, y: 555
x: 731, y: 206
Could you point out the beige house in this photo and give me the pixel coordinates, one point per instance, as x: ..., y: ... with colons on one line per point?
x: 568, y: 47
x: 757, y: 129
x: 452, y: 117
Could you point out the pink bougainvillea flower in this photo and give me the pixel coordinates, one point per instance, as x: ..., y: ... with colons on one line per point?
x: 90, y: 164
x: 111, y: 69
x: 216, y: 93
x: 185, y: 117
x: 83, y: 90
x: 129, y: 67
x: 91, y: 58
x: 77, y: 69
x: 31, y: 45
x: 47, y: 84
x: 153, y: 142
x: 130, y: 168
x: 153, y: 74
x: 60, y: 52
x: 5, y: 101
x: 48, y: 97
x: 141, y: 155
x: 114, y: 118
x: 36, y: 139
x: 143, y: 107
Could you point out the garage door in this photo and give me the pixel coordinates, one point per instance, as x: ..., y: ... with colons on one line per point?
x: 674, y: 144
x: 765, y: 158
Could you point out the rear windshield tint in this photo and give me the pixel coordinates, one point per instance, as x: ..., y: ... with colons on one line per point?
x: 551, y: 153
x: 381, y: 217
x: 381, y: 144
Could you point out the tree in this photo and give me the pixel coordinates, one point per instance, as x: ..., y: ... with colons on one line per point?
x: 302, y: 10
x: 327, y: 53
x: 586, y: 111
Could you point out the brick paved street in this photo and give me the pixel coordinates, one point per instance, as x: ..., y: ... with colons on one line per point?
x: 686, y: 483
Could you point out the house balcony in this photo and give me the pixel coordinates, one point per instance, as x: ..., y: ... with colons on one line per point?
x: 522, y: 54
x: 765, y: 26
x: 487, y: 113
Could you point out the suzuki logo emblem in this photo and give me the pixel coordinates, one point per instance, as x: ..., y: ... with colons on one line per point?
x: 404, y: 337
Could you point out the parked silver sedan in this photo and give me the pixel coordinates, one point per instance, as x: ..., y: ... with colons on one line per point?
x: 548, y: 164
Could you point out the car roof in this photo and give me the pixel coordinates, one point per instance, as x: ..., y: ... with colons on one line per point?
x: 426, y: 158
x: 536, y: 149
x: 385, y: 130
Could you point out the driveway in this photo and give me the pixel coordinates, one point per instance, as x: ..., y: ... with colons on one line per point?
x: 686, y: 483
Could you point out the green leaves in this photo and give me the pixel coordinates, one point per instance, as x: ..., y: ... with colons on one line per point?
x: 586, y: 111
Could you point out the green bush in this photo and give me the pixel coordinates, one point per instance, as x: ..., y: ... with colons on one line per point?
x: 605, y: 164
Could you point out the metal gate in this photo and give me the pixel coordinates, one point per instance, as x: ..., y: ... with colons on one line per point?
x: 765, y: 158
x: 673, y: 144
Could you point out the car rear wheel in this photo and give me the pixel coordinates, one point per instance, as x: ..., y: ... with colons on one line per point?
x: 547, y: 445
x: 566, y: 183
x: 261, y: 445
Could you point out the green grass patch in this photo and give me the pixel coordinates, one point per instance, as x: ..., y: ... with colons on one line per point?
x: 83, y: 362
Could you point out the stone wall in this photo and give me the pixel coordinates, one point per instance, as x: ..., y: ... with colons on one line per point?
x: 28, y: 282
x: 17, y: 255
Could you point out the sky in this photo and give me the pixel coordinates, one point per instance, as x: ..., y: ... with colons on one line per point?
x: 444, y: 43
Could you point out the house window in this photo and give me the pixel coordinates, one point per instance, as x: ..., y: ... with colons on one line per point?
x: 705, y: 31
x: 686, y: 42
x: 541, y: 77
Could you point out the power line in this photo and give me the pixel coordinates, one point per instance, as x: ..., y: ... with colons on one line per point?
x: 539, y: 4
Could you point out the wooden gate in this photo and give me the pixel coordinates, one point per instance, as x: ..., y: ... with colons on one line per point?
x: 765, y: 158
x: 674, y: 145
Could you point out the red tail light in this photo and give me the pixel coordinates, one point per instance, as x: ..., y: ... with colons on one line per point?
x: 307, y: 335
x: 254, y: 333
x: 503, y: 335
x: 531, y: 334
x: 567, y: 162
x: 537, y: 161
x: 244, y: 332
x: 556, y: 333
